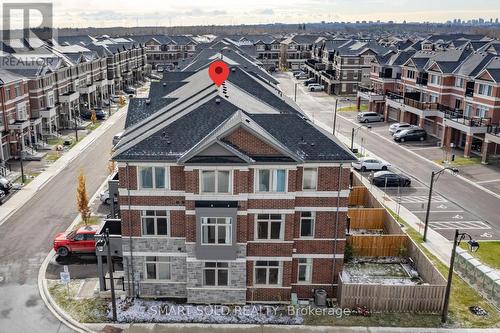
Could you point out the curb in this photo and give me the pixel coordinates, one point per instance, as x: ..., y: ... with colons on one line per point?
x: 43, y: 290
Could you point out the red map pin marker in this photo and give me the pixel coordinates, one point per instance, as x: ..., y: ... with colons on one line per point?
x: 218, y: 72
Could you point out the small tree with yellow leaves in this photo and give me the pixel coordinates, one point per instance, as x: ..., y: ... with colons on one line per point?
x: 93, y: 117
x: 82, y: 199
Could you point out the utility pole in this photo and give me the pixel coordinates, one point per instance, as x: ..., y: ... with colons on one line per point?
x: 335, y: 117
x: 352, y: 138
x: 76, y: 126
x: 295, y: 93
x: 19, y: 138
x: 426, y: 225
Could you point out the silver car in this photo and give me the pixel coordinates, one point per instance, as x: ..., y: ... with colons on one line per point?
x: 369, y: 117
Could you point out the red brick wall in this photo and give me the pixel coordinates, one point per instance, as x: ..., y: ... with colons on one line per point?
x: 328, y: 178
x: 177, y: 178
x: 123, y: 181
x: 250, y: 144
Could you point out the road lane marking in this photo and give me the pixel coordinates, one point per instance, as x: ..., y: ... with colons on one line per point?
x: 421, y: 199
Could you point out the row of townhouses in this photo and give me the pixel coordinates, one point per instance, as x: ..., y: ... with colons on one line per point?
x: 230, y: 194
x: 453, y: 93
x: 45, y: 85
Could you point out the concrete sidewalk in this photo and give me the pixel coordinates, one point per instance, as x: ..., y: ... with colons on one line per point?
x: 27, y: 192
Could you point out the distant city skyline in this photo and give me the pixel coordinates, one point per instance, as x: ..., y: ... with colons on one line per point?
x: 97, y: 13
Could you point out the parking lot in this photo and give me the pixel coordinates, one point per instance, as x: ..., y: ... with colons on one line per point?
x: 445, y: 216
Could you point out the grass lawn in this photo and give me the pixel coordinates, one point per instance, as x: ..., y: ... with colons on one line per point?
x: 28, y: 178
x: 52, y: 156
x: 92, y: 127
x: 462, y: 161
x: 54, y: 141
x: 363, y: 107
x: 462, y: 295
x: 92, y: 310
x: 488, y: 253
x: 92, y: 220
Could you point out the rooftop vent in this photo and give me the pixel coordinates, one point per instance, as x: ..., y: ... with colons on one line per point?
x: 148, y: 101
x: 164, y: 84
x: 247, y: 120
x: 233, y: 69
x: 217, y: 100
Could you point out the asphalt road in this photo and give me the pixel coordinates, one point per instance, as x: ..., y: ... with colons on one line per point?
x: 26, y: 238
x: 476, y: 204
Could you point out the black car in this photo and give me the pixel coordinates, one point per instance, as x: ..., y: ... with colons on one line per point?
x: 309, y: 81
x: 411, y: 134
x: 390, y: 179
x: 87, y: 114
x: 129, y: 90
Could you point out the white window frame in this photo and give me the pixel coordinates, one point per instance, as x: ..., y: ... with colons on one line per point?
x: 482, y: 111
x: 155, y: 217
x: 280, y: 273
x: 315, y: 180
x: 459, y: 82
x: 269, y: 221
x: 216, y: 181
x: 272, y: 180
x: 308, y: 263
x: 216, y: 269
x: 153, y: 167
x: 482, y: 87
x: 22, y: 111
x: 204, y: 224
x: 313, y: 218
x: 156, y: 262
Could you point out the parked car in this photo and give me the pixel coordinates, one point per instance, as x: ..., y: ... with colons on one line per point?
x: 390, y: 179
x: 116, y: 138
x: 309, y: 81
x: 369, y: 117
x: 87, y: 114
x: 394, y: 128
x: 370, y: 163
x: 104, y: 197
x: 316, y: 87
x: 296, y: 72
x: 2, y: 195
x: 115, y: 98
x: 302, y: 76
x: 5, y: 185
x: 129, y: 90
x: 76, y: 241
x: 412, y: 134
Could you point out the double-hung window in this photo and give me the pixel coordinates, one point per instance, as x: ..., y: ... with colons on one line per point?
x: 267, y: 273
x: 307, y: 220
x: 154, y: 223
x: 310, y: 179
x: 468, y: 110
x: 153, y: 177
x: 269, y: 226
x: 216, y: 181
x: 482, y: 111
x: 271, y: 180
x: 485, y: 89
x: 304, y: 270
x: 216, y: 274
x: 158, y: 268
x: 435, y: 79
x: 459, y: 82
x: 216, y: 230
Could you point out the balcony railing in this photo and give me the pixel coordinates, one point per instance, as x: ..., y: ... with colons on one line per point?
x: 416, y: 104
x: 494, y: 130
x: 459, y: 117
x: 369, y: 90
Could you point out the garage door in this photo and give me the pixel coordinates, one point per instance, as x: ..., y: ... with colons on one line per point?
x: 393, y: 114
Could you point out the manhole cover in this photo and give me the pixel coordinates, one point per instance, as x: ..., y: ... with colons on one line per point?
x: 478, y: 311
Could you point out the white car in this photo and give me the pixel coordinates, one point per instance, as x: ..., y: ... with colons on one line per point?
x: 316, y: 87
x: 370, y: 163
x: 397, y: 127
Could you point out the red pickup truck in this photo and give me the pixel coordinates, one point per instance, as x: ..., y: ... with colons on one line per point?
x: 76, y: 241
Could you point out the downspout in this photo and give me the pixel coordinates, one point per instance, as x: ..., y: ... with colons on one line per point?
x: 339, y: 188
x: 130, y: 231
x: 3, y: 99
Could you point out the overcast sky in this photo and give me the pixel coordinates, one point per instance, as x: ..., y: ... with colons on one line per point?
x: 105, y: 13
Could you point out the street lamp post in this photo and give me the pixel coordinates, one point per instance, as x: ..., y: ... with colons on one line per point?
x: 473, y: 247
x: 20, y: 144
x: 104, y: 240
x: 353, y: 132
x: 76, y: 126
x: 335, y: 116
x: 429, y: 199
x: 295, y: 92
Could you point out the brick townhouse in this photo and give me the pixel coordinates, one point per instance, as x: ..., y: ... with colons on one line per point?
x: 230, y: 194
x: 14, y: 108
x: 451, y: 93
x: 296, y: 49
x: 53, y: 82
x: 265, y: 48
x: 341, y: 65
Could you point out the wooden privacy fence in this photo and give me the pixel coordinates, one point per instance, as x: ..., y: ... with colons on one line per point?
x: 392, y: 298
x: 366, y: 218
x: 378, y: 245
x: 358, y: 196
